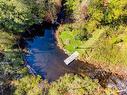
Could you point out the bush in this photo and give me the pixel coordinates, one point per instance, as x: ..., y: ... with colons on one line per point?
x: 16, y: 16
x: 75, y: 85
x: 28, y: 85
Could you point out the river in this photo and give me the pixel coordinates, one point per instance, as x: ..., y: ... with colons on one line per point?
x: 45, y: 57
x: 47, y: 60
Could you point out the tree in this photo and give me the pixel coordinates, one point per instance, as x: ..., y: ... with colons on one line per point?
x: 75, y: 85
x: 29, y: 85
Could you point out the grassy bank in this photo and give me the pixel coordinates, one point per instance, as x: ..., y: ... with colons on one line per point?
x: 99, y: 37
x: 107, y: 53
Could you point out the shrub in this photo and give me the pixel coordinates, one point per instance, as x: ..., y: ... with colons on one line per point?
x: 75, y: 85
x: 29, y: 85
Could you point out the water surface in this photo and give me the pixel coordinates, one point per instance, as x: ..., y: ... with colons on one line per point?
x: 45, y: 57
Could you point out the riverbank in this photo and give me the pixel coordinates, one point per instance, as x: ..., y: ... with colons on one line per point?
x: 118, y: 69
x: 47, y: 59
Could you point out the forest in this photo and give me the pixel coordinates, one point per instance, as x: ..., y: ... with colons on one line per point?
x: 97, y: 29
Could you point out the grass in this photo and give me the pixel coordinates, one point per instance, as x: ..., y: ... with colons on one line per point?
x: 68, y: 39
x: 71, y: 44
x: 110, y: 51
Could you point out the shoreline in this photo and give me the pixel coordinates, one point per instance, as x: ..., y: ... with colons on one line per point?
x: 119, y: 71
